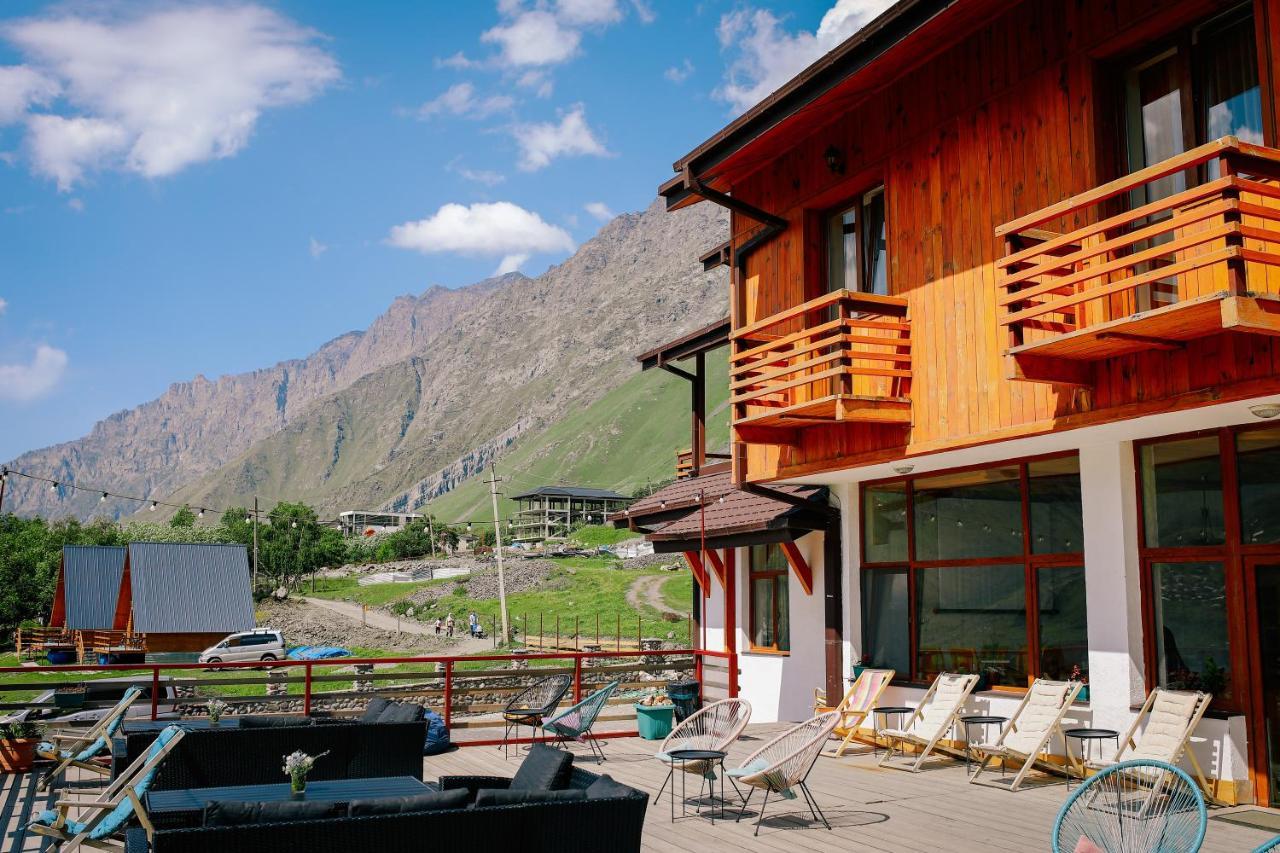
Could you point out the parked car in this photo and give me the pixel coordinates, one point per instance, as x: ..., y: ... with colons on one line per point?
x: 263, y: 644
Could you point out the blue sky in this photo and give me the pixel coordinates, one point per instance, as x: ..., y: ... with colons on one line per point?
x: 192, y: 188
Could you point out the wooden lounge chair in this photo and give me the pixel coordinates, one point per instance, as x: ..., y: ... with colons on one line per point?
x: 532, y: 705
x: 110, y: 811
x: 1026, y: 736
x: 71, y: 748
x: 576, y: 723
x: 861, y: 697
x: 717, y: 726
x: 1171, y: 717
x: 933, y: 717
x: 783, y: 764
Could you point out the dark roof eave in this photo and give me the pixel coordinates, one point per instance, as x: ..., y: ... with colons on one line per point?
x: 709, y: 337
x: 855, y: 53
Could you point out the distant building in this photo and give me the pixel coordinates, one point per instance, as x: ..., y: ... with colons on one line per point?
x: 153, y: 597
x: 356, y: 522
x: 550, y: 512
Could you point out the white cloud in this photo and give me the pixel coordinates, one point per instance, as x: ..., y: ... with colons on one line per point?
x: 3, y: 306
x: 539, y: 81
x: 460, y: 100
x: 679, y: 73
x: 588, y: 12
x: 20, y: 88
x: 165, y: 89
x: 480, y: 176
x: 534, y: 37
x: 644, y: 11
x: 599, y: 210
x: 767, y: 55
x: 316, y: 248
x: 511, y: 263
x: 76, y: 204
x: 25, y: 382
x: 543, y: 142
x: 483, y: 229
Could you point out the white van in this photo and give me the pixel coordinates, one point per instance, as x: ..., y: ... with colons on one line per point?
x: 258, y: 644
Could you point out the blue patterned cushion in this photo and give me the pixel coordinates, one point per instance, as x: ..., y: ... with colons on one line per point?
x: 92, y: 749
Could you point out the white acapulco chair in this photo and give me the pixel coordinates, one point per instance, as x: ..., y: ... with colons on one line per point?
x: 716, y: 727
x: 783, y: 764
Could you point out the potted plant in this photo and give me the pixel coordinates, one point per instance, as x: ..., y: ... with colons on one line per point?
x: 18, y: 746
x: 1077, y: 674
x: 655, y: 715
x: 296, y: 766
x: 863, y: 663
x: 215, y: 708
x: 70, y: 698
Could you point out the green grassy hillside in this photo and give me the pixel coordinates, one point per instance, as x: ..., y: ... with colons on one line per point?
x: 627, y: 438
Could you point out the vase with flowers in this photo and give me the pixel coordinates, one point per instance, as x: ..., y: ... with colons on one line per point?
x: 296, y: 766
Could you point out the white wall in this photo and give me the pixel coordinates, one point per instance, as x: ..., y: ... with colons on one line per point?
x: 780, y: 687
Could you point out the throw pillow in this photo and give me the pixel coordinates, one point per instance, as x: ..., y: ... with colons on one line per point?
x: 607, y: 787
x: 429, y: 802
x: 375, y: 707
x: 507, y: 797
x: 545, y: 768
x: 231, y: 813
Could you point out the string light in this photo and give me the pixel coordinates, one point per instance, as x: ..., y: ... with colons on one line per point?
x: 103, y: 499
x: 153, y: 506
x: 200, y: 514
x: 53, y: 487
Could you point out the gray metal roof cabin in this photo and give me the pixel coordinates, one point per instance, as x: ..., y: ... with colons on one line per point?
x: 88, y: 587
x: 184, y: 588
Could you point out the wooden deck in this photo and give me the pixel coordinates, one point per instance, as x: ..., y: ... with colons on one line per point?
x: 870, y: 809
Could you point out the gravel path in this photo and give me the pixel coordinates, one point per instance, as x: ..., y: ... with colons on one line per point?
x: 379, y: 628
x: 647, y: 590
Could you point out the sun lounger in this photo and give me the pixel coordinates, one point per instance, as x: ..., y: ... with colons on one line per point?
x: 857, y: 703
x: 1028, y: 733
x: 934, y: 717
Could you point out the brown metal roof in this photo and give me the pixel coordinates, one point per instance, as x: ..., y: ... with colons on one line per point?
x: 673, y: 514
x: 709, y: 337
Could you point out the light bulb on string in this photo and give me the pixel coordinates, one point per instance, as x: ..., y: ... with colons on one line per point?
x: 153, y: 506
x: 200, y: 514
x: 53, y: 487
x: 103, y: 499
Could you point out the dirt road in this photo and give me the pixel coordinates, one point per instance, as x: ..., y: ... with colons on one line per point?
x: 461, y: 643
x: 647, y: 590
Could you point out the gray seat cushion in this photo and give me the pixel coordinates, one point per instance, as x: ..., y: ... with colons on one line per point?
x: 607, y: 787
x: 375, y: 708
x: 507, y: 797
x: 233, y: 813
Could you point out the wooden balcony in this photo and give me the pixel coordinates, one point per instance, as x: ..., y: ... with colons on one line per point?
x: 1087, y: 279
x: 843, y: 357
x: 684, y: 462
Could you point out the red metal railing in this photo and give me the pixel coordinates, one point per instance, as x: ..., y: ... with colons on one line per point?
x: 309, y: 694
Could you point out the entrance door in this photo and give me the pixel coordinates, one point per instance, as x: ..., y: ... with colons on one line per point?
x: 1266, y: 668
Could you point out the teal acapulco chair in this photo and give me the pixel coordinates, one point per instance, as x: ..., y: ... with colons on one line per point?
x: 1269, y: 846
x: 575, y: 723
x: 1133, y: 807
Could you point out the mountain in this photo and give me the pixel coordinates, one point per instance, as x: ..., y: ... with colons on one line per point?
x: 422, y: 400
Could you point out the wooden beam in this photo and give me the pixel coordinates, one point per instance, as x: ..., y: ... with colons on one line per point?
x: 1036, y: 368
x: 798, y: 565
x: 1258, y: 315
x: 699, y: 572
x: 833, y: 607
x: 717, y: 565
x: 731, y: 613
x: 1146, y: 340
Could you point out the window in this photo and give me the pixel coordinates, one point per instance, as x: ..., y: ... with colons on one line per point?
x: 956, y: 565
x: 856, y: 249
x: 1208, y: 504
x: 770, y: 612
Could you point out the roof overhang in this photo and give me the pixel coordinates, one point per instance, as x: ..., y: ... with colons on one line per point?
x: 903, y: 31
x: 702, y: 340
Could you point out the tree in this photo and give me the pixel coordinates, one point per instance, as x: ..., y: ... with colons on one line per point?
x: 289, y: 547
x: 238, y: 524
x: 183, y: 518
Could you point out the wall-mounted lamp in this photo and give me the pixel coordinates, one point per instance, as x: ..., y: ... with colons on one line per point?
x: 904, y: 469
x: 1266, y: 411
x: 835, y: 160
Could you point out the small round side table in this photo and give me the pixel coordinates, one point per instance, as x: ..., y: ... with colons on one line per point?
x: 1087, y: 737
x: 983, y: 720
x: 712, y: 756
x: 885, y: 711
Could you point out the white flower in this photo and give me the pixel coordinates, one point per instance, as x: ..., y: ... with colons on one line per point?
x: 300, y: 764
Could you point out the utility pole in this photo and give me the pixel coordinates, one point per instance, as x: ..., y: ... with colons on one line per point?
x: 431, y: 531
x: 255, y: 543
x: 4, y: 478
x: 497, y: 543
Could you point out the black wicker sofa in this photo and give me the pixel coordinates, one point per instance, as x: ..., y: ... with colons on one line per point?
x: 612, y: 819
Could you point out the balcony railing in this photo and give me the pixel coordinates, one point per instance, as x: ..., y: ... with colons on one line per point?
x: 684, y: 462
x: 1087, y: 279
x: 843, y: 357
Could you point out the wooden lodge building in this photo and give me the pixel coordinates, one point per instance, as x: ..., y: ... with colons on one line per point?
x: 151, y: 597
x: 1005, y: 287
x: 549, y: 513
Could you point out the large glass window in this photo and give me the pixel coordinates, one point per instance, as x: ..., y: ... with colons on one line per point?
x: 1258, y: 461
x: 770, y: 612
x: 1182, y: 493
x: 969, y: 515
x: 964, y: 568
x: 1064, y: 627
x: 856, y: 249
x: 1189, y: 601
x: 884, y: 612
x: 885, y: 523
x: 973, y: 619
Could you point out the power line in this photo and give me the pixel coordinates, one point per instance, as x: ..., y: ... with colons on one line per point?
x: 61, y: 486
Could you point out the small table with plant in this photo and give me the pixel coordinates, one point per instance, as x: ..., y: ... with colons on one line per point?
x: 655, y: 716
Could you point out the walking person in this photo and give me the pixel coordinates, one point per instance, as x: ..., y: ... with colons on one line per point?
x: 472, y: 622
x: 448, y: 625
x: 439, y: 625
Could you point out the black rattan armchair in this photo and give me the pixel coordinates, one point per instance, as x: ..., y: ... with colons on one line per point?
x: 532, y: 705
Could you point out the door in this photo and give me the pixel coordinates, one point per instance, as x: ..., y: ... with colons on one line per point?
x: 1265, y: 727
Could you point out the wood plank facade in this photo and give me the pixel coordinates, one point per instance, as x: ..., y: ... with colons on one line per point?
x: 1012, y: 117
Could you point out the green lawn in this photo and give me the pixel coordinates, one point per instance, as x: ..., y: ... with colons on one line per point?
x: 677, y: 591
x: 374, y: 594
x: 595, y: 535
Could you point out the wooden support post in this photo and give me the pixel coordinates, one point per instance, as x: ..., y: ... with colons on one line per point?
x: 577, y: 679
x: 730, y: 600
x: 699, y: 438
x: 155, y: 692
x: 448, y: 693
x: 1237, y: 280
x: 833, y: 607
x: 306, y: 691
x: 800, y: 566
